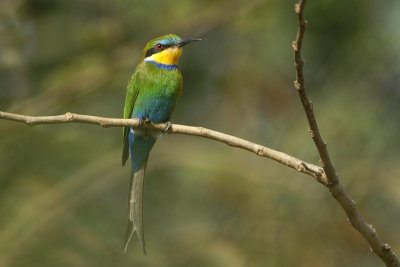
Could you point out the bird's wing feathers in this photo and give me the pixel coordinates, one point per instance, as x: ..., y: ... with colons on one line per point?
x: 135, y: 208
x: 132, y: 92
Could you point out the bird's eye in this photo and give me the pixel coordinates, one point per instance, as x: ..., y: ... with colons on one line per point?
x: 159, y: 46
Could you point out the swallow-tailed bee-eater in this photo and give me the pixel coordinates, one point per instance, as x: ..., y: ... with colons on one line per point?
x: 151, y: 95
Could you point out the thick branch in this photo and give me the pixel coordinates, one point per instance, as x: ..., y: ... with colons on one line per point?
x: 336, y: 189
x: 285, y: 159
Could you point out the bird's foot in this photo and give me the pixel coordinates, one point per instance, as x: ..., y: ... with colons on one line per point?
x: 145, y: 121
x: 168, y: 126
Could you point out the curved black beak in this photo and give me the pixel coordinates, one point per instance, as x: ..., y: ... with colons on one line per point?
x: 186, y: 41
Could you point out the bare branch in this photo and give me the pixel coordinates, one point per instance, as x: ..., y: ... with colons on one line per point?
x: 307, y: 104
x: 285, y: 159
x: 358, y: 222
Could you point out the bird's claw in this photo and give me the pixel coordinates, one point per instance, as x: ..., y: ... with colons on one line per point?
x: 168, y: 126
x: 145, y: 121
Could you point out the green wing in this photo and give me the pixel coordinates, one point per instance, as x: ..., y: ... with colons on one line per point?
x: 131, y: 94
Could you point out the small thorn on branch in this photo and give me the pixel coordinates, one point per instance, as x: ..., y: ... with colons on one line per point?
x: 69, y: 116
x: 301, y: 167
x: 259, y: 151
x: 386, y: 247
x: 297, y: 8
x: 297, y: 85
x: 294, y: 46
x: 299, y: 63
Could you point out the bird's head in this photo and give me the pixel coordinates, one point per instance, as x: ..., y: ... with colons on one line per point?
x: 166, y: 49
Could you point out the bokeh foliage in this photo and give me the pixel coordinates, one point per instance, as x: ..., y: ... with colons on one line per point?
x: 63, y: 193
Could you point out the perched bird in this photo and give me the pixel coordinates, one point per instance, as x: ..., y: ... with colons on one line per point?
x: 151, y: 95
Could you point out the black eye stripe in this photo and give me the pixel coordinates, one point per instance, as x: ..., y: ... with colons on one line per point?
x: 155, y: 50
x: 150, y: 52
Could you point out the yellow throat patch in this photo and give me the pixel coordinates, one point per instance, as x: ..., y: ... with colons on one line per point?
x: 169, y: 56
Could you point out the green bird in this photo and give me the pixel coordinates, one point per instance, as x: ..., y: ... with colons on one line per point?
x: 151, y: 95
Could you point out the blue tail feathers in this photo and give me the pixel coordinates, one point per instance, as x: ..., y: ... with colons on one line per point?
x: 140, y: 144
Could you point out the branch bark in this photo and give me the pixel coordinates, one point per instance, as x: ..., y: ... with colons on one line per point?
x: 263, y: 151
x: 381, y: 249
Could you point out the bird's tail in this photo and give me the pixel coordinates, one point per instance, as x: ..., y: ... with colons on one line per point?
x: 135, y: 207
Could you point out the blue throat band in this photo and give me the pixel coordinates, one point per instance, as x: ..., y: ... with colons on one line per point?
x: 163, y: 66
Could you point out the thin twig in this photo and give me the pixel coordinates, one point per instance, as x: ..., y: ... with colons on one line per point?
x: 307, y: 104
x: 367, y: 231
x: 263, y: 151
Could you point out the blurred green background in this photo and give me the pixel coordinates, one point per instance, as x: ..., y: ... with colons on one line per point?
x: 63, y: 193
